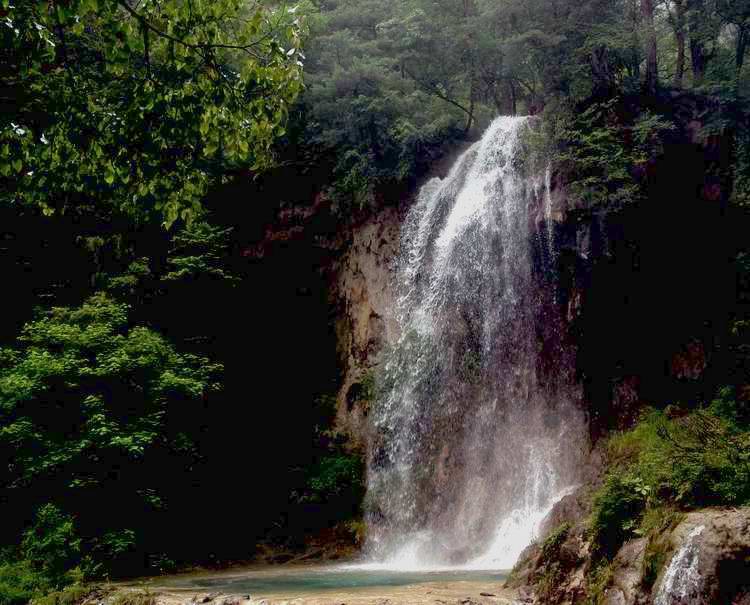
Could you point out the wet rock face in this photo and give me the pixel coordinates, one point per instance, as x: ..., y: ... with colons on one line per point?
x: 627, y: 574
x: 558, y: 577
x: 363, y: 298
x: 707, y: 562
x: 710, y: 561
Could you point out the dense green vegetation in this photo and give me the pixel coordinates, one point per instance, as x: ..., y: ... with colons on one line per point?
x: 673, y: 459
x: 87, y: 401
x: 113, y: 107
x: 116, y: 116
x: 146, y: 364
x: 390, y: 84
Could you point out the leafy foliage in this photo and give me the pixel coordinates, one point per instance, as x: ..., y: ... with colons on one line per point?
x: 551, y: 546
x: 392, y: 85
x: 607, y: 152
x: 617, y: 509
x: 198, y: 252
x: 51, y: 544
x: 86, y: 400
x: 139, y: 108
x: 335, y: 476
x: 19, y: 583
x: 377, y: 127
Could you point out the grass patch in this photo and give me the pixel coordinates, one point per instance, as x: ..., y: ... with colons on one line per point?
x: 653, y: 561
x: 599, y: 580
x: 71, y: 595
x: 140, y: 597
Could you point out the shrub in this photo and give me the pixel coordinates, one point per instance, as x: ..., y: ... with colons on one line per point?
x: 334, y: 476
x: 711, y: 459
x: 45, y: 568
x: 87, y: 396
x: 71, y: 595
x: 606, y: 146
x: 618, y: 507
x: 51, y: 545
x: 551, y: 546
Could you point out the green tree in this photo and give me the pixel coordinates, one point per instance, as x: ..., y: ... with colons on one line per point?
x: 93, y: 411
x: 140, y: 107
x: 361, y: 109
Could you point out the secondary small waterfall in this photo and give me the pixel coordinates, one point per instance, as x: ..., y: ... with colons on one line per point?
x: 682, y: 582
x: 476, y: 430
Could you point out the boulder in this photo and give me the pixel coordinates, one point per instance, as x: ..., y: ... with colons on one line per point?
x: 627, y: 574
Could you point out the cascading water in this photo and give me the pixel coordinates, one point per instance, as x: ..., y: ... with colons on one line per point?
x: 477, y: 432
x: 682, y: 582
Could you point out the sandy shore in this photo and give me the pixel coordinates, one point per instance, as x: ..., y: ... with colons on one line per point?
x: 438, y: 593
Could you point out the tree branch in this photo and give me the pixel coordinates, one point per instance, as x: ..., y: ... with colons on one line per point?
x: 247, y: 48
x: 436, y: 91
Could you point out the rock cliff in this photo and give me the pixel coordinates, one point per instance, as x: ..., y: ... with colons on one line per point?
x: 648, y: 291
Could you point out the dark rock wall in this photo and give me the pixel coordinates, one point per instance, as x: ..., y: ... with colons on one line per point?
x: 648, y: 292
x: 648, y: 289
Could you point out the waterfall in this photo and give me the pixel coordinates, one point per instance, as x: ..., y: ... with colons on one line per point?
x: 476, y: 431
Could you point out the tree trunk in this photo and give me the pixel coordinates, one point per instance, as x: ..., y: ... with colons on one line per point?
x: 696, y: 32
x: 601, y: 73
x: 743, y: 37
x: 680, y: 40
x: 513, y: 101
x: 470, y: 119
x: 698, y: 60
x: 652, y: 65
x: 679, y: 74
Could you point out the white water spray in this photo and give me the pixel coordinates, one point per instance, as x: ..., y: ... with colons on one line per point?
x: 477, y: 432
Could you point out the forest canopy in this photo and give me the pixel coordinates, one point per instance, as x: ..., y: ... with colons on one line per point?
x: 390, y: 83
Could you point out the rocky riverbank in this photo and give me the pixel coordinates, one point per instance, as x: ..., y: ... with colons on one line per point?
x: 700, y: 558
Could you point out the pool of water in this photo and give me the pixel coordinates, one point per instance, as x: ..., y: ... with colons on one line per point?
x: 316, y: 579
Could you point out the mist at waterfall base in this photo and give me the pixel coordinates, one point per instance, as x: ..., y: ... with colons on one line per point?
x: 476, y: 431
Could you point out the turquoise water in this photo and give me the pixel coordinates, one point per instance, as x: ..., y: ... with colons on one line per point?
x: 315, y: 579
